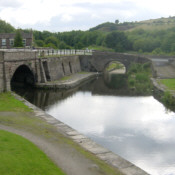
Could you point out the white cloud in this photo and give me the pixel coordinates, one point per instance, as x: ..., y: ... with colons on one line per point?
x: 35, y: 13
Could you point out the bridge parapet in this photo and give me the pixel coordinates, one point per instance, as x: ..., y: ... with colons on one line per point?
x: 12, y: 55
x: 62, y: 52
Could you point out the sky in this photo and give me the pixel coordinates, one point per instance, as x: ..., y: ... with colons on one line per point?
x: 67, y: 15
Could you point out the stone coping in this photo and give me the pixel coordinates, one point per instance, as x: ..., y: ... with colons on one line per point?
x: 67, y: 84
x: 124, y: 166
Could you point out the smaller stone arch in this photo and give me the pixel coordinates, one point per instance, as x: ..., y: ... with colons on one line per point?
x: 22, y: 76
x: 111, y: 65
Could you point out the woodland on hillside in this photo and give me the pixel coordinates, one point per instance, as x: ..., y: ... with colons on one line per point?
x: 149, y: 37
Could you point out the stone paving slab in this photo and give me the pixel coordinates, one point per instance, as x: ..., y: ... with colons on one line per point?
x: 115, y: 160
x: 133, y: 170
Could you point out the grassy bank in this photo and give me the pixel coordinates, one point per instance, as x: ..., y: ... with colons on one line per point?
x: 139, y: 78
x: 9, y: 103
x: 169, y: 83
x: 19, y: 156
x: 167, y: 98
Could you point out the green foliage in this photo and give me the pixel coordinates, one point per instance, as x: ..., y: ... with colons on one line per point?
x: 139, y: 78
x: 19, y: 156
x: 18, y: 39
x: 63, y: 45
x: 168, y: 100
x: 117, y: 40
x: 114, y: 65
x: 152, y: 36
x: 39, y: 43
x: 79, y: 45
x: 6, y: 27
x: 9, y: 103
x: 51, y: 40
x: 107, y: 26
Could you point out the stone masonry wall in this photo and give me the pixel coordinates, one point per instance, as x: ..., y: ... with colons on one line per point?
x: 62, y: 66
x: 20, y: 55
x: 1, y: 78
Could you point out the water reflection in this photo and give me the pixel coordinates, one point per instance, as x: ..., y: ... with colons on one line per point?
x: 137, y: 128
x: 142, y: 134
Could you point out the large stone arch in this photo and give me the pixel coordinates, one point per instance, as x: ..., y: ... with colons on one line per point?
x: 22, y: 76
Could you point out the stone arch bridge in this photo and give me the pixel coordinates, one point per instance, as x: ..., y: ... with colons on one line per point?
x: 25, y: 66
x: 99, y: 60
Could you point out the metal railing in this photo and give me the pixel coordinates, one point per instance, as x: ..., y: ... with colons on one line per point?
x: 62, y: 52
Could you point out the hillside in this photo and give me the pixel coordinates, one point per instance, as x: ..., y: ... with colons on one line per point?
x: 152, y: 24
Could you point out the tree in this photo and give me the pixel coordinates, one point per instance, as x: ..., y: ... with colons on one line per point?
x: 39, y: 43
x: 117, y: 40
x: 52, y: 40
x: 6, y: 27
x: 116, y: 21
x: 63, y: 45
x: 18, y: 39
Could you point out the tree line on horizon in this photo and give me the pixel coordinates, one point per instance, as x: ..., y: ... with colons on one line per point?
x: 154, y: 41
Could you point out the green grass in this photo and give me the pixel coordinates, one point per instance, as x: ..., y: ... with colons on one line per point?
x: 18, y: 156
x: 100, y: 48
x: 9, y: 103
x: 65, y: 78
x: 169, y: 83
x: 115, y: 65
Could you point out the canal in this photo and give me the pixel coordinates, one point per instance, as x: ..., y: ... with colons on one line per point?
x: 138, y: 128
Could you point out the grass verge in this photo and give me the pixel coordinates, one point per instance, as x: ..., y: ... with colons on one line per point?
x: 169, y: 83
x: 20, y: 156
x: 9, y: 103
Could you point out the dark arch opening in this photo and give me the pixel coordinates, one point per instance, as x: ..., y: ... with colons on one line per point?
x: 22, y: 77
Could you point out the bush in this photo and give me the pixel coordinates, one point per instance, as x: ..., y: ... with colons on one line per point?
x: 131, y: 82
x: 142, y: 77
x: 168, y: 100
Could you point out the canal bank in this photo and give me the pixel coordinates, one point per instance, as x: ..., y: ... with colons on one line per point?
x: 164, y: 94
x: 70, y: 150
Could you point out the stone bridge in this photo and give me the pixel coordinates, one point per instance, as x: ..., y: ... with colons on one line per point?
x: 19, y: 67
x: 99, y: 60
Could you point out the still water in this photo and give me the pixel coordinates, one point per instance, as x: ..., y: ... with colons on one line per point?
x: 138, y: 128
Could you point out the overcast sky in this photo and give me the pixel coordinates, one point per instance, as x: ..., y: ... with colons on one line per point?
x: 67, y: 15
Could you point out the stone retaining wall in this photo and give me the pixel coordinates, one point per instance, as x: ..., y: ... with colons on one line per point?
x: 1, y: 77
x: 57, y: 67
